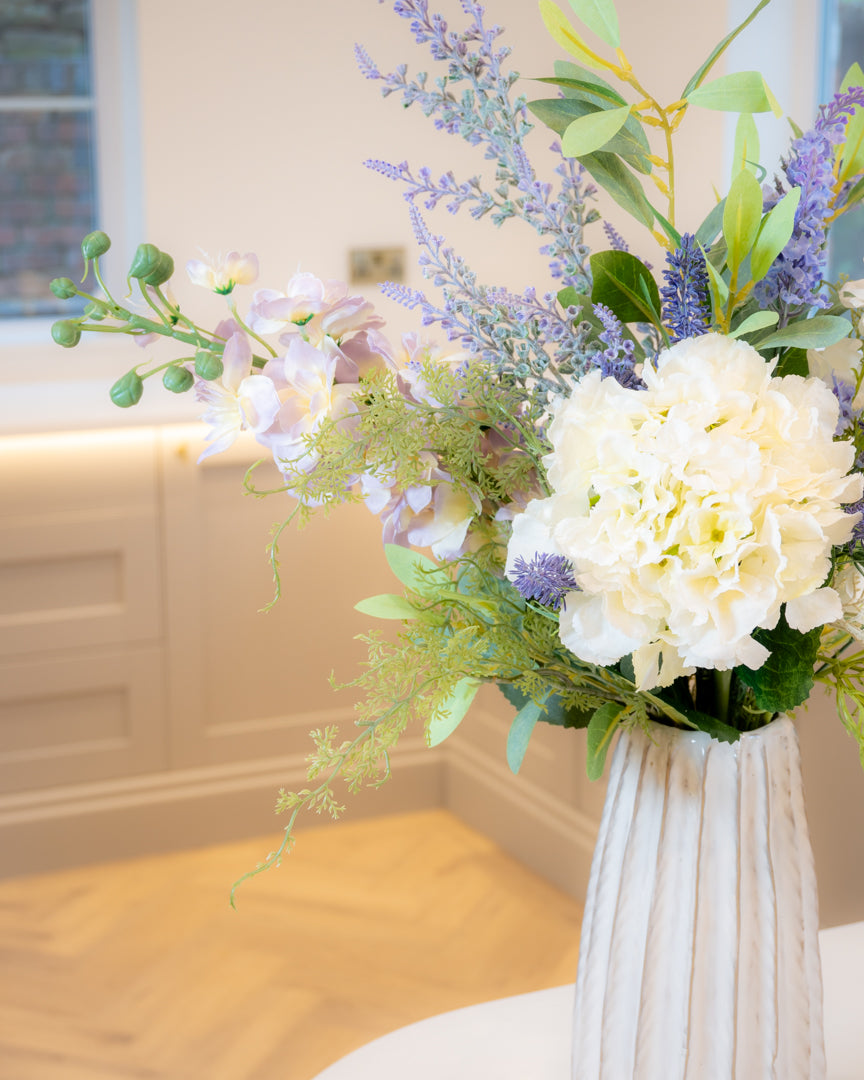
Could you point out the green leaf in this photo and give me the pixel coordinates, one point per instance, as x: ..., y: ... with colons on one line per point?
x: 742, y: 91
x: 741, y: 218
x: 852, y: 151
x: 668, y: 228
x: 561, y: 30
x: 712, y: 726
x: 554, y: 711
x: 520, y: 734
x: 600, y: 17
x: 387, y: 606
x: 792, y: 362
x: 720, y: 49
x: 816, y: 333
x: 774, y: 234
x: 759, y: 320
x: 629, y: 142
x: 855, y: 193
x: 617, y: 276
x: 580, y: 83
x: 746, y: 152
x: 447, y: 719
x: 418, y: 572
x: 719, y: 288
x: 608, y: 171
x: 601, y: 728
x: 707, y: 232
x: 786, y: 678
x: 592, y: 132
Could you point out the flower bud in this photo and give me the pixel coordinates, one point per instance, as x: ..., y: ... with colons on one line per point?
x: 127, y: 390
x: 96, y: 310
x: 95, y: 244
x: 208, y: 365
x: 63, y: 288
x: 66, y: 333
x: 145, y: 261
x: 178, y: 379
x: 162, y: 272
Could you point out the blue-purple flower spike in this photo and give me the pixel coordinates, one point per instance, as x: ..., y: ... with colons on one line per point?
x: 546, y: 579
x: 686, y: 307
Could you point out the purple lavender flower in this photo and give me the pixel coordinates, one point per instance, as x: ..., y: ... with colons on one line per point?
x: 849, y: 417
x: 546, y: 579
x: 616, y: 240
x: 686, y: 307
x: 795, y: 279
x: 616, y: 360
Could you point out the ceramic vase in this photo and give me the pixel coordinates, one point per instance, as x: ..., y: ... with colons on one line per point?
x: 699, y: 956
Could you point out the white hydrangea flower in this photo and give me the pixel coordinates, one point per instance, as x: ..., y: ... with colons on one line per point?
x: 693, y: 510
x: 849, y: 583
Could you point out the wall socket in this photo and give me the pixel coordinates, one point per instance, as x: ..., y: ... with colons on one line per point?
x: 369, y: 266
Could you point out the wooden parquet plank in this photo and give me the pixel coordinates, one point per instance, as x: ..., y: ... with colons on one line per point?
x: 141, y: 970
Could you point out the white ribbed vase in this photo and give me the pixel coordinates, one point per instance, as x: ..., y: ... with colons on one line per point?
x: 699, y: 956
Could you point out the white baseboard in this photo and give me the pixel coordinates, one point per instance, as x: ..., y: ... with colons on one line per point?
x: 59, y: 827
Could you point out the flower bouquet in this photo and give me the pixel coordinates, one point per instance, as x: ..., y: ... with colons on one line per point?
x: 633, y: 502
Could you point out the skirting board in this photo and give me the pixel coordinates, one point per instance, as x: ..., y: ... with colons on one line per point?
x: 544, y: 833
x: 142, y: 815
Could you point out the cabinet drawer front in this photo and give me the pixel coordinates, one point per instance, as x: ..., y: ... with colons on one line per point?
x: 81, y: 580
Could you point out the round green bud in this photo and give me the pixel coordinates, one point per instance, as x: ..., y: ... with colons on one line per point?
x: 66, y: 333
x: 63, y: 288
x: 127, y: 390
x: 208, y: 365
x: 178, y: 379
x: 145, y: 261
x: 95, y: 244
x: 162, y: 272
x: 97, y: 311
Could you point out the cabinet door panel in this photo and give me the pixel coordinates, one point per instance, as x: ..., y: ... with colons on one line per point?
x: 72, y: 719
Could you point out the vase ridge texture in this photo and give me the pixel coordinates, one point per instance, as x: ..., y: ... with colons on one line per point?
x: 699, y: 955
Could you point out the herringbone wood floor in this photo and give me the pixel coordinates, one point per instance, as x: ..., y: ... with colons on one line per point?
x: 140, y: 969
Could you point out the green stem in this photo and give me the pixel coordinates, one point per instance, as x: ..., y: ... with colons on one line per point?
x: 251, y: 333
x: 723, y: 691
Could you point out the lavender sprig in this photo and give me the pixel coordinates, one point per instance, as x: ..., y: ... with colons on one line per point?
x: 686, y: 309
x: 795, y: 279
x: 616, y: 360
x: 484, y: 115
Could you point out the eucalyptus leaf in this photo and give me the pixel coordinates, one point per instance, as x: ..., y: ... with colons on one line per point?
x: 742, y: 91
x: 718, y: 51
x: 774, y: 234
x: 519, y: 734
x: 561, y: 30
x: 387, y: 606
x: 447, y: 719
x: 609, y: 172
x: 601, y: 728
x: 566, y: 69
x: 746, y: 152
x: 592, y: 132
x: 668, y: 228
x: 601, y: 18
x: 759, y: 320
x: 414, y: 569
x: 617, y: 276
x: 816, y: 333
x: 742, y: 216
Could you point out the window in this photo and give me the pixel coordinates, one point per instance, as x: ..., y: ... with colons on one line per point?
x: 47, y: 178
x: 843, y: 45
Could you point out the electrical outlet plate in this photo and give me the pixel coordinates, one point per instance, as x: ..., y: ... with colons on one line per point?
x: 370, y: 266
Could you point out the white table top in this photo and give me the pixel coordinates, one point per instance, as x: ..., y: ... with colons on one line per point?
x: 527, y: 1037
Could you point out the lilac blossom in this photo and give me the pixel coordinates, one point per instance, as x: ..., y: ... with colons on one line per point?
x: 546, y: 579
x: 686, y: 307
x: 795, y: 279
